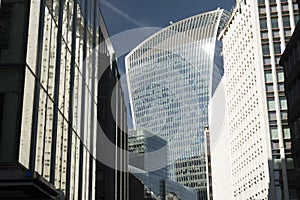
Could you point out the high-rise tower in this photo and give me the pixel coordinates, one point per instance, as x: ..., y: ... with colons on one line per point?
x: 256, y: 121
x: 172, y: 76
x: 50, y: 105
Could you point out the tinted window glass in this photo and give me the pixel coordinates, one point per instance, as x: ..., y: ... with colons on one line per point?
x: 12, y: 17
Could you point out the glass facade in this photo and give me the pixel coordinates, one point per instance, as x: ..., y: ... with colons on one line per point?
x: 140, y: 143
x: 290, y: 60
x: 49, y: 82
x: 172, y: 76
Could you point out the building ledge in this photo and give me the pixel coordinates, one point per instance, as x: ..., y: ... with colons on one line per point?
x: 16, y: 182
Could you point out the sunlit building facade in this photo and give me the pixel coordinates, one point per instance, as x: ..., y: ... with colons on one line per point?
x: 171, y: 77
x: 256, y: 127
x: 49, y: 101
x: 277, y: 22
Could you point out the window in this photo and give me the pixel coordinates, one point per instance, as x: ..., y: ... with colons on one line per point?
x: 263, y: 23
x: 261, y: 1
x: 280, y: 75
x: 281, y: 86
x: 287, y: 32
x: 274, y: 22
x: 264, y: 35
x: 272, y: 116
x: 271, y: 104
x: 265, y: 49
x: 267, y: 61
x: 273, y: 133
x: 290, y: 163
x: 286, y: 133
x: 296, y: 18
x: 262, y: 9
x: 277, y: 49
x: 275, y: 144
x: 269, y: 88
x: 273, y: 8
x: 285, y: 7
x: 278, y: 192
x: 275, y: 33
x: 277, y: 175
x: 287, y: 144
x: 277, y: 162
x: 268, y: 76
x: 277, y: 59
x: 284, y: 115
x: 283, y: 103
x: 286, y: 21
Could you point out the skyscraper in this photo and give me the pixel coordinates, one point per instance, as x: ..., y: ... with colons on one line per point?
x: 172, y: 76
x: 258, y: 133
x: 49, y: 105
x: 290, y: 60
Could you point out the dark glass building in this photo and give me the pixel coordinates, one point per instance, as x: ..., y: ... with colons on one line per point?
x: 55, y: 91
x: 291, y: 61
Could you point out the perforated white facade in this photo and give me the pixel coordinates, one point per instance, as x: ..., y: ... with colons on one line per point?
x: 219, y: 145
x: 255, y: 128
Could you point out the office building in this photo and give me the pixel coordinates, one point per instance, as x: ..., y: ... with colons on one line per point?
x: 112, y: 146
x: 281, y: 18
x: 148, y: 153
x: 172, y: 190
x: 172, y: 76
x: 256, y: 128
x: 49, y: 105
x: 290, y: 60
x: 147, y: 162
x: 220, y: 148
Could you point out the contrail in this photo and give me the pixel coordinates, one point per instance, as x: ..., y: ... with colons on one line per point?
x: 123, y: 14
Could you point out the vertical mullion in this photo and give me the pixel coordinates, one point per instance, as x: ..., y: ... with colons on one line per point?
x: 35, y: 111
x: 56, y: 93
x: 71, y: 100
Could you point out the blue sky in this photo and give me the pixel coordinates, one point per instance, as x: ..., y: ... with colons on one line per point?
x: 121, y: 15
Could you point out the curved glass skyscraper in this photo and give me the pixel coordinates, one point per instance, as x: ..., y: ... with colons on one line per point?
x: 171, y: 77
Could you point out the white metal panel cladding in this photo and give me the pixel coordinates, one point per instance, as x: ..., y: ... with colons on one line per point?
x: 170, y: 77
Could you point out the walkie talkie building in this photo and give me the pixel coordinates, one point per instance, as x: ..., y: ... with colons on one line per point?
x: 171, y: 77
